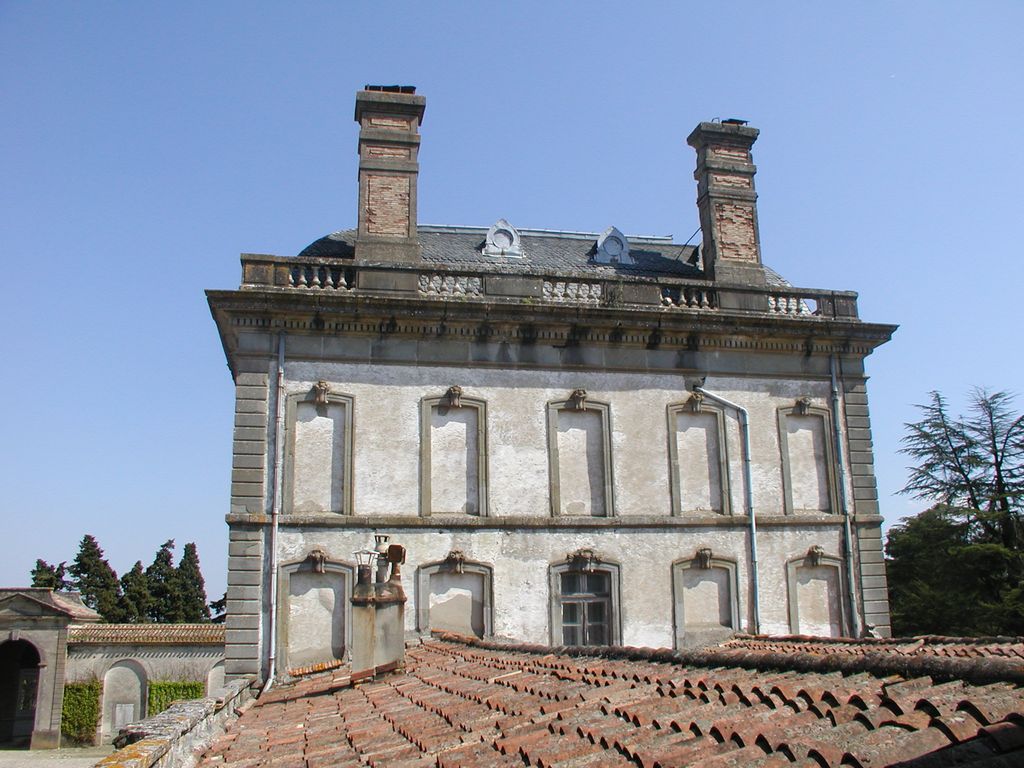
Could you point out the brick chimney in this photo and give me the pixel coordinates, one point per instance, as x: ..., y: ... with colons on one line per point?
x: 727, y: 202
x: 389, y: 117
x: 378, y: 613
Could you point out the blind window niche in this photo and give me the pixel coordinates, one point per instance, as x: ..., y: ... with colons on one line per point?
x: 318, y: 452
x: 698, y: 458
x: 453, y: 455
x: 579, y: 457
x: 808, y: 463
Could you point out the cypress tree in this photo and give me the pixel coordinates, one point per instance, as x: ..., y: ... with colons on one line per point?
x: 164, y: 587
x: 192, y: 587
x: 52, y: 576
x: 219, y: 609
x: 96, y: 580
x: 136, y: 600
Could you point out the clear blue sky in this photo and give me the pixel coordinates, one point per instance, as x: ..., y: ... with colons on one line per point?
x: 143, y: 146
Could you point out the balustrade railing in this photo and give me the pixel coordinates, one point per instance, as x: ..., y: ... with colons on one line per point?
x: 331, y: 275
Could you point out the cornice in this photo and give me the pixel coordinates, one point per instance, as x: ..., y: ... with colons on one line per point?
x: 531, y: 523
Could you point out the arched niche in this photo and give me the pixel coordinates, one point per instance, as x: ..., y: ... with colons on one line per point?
x: 454, y: 594
x: 579, y: 457
x: 215, y: 680
x: 20, y: 662
x: 705, y: 599
x: 808, y: 462
x: 817, y: 603
x: 698, y: 457
x: 453, y: 454
x: 314, y: 610
x: 318, y: 452
x: 124, y: 696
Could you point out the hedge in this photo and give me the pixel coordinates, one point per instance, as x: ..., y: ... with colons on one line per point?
x: 81, y: 712
x: 163, y: 693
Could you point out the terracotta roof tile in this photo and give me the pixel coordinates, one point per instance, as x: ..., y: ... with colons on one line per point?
x: 146, y: 634
x: 485, y: 704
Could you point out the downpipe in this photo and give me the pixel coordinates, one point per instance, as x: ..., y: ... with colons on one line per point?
x: 748, y: 489
x: 856, y: 625
x: 275, y: 514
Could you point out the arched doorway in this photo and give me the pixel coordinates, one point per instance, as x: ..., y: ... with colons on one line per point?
x: 19, y: 679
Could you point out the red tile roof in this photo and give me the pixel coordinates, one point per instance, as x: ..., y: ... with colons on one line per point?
x: 146, y: 634
x: 1011, y: 648
x: 486, y: 704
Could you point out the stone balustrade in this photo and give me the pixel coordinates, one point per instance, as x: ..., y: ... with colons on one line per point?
x: 333, y: 275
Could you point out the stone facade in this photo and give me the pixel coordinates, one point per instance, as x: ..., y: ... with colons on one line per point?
x: 579, y: 438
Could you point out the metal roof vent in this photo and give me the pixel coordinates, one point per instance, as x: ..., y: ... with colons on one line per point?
x: 612, y: 248
x: 503, y: 240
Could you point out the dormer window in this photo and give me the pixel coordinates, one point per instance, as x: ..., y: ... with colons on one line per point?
x: 503, y: 240
x: 612, y: 248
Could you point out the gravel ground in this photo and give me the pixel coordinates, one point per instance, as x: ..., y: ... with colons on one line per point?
x: 82, y: 757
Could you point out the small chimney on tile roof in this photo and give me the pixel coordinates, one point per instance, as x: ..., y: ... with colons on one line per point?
x: 389, y: 117
x: 727, y: 201
x: 378, y: 611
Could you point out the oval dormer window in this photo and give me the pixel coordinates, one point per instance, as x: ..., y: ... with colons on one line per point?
x: 502, y: 240
x: 612, y: 248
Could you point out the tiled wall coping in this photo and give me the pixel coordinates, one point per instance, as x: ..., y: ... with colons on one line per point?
x: 176, y: 736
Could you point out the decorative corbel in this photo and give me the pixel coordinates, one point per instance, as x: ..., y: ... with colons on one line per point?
x: 320, y: 391
x: 703, y: 558
x: 455, y: 561
x: 696, y: 402
x: 454, y: 396
x: 583, y: 560
x: 578, y: 399
x: 803, y: 405
x: 814, y: 555
x: 317, y: 559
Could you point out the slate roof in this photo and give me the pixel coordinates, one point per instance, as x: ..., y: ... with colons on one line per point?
x: 146, y: 634
x: 470, y: 703
x: 544, y: 252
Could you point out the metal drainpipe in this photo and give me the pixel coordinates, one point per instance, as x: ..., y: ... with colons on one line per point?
x: 847, y: 531
x: 748, y: 497
x: 275, y: 513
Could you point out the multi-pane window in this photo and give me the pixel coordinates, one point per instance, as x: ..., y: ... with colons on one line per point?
x: 586, y: 608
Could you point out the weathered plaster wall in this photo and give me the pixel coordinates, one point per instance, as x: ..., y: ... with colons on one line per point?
x: 160, y: 662
x: 388, y: 448
x: 387, y: 434
x: 521, y: 559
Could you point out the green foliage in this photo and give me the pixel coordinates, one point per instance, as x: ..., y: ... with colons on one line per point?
x: 219, y: 609
x: 163, y: 693
x: 164, y: 587
x: 51, y: 576
x: 96, y: 580
x: 973, y: 462
x: 81, y: 713
x: 958, y: 568
x: 136, y: 600
x: 191, y: 586
x: 161, y: 593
